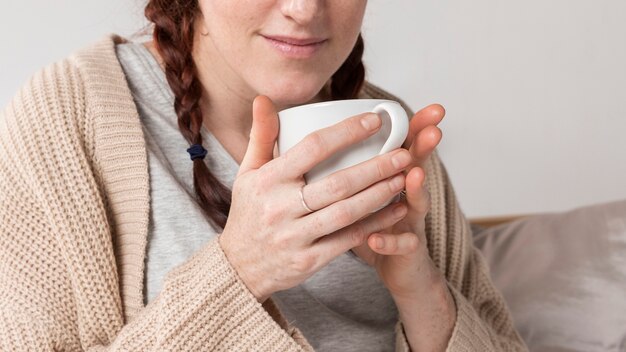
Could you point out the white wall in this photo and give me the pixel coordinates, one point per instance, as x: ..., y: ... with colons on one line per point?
x: 37, y: 32
x: 535, y: 91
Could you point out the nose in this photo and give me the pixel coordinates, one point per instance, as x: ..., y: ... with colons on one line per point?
x: 302, y: 11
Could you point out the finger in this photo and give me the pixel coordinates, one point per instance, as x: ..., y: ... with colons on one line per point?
x: 430, y: 115
x: 417, y: 196
x: 348, y: 211
x: 262, y: 135
x: 330, y: 246
x: 347, y: 182
x: 426, y: 141
x: 321, y: 144
x: 394, y: 244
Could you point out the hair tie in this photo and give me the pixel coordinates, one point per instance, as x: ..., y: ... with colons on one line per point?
x: 196, y: 151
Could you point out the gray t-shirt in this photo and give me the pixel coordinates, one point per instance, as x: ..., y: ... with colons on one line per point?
x: 343, y: 307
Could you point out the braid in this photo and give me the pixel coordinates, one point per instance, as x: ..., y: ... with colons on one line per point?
x: 173, y: 35
x: 346, y: 83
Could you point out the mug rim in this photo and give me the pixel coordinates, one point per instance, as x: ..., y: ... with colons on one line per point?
x: 329, y: 102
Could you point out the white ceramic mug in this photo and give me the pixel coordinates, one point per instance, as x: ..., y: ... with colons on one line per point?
x: 299, y: 121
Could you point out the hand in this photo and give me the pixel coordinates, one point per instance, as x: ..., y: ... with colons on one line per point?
x: 403, y: 261
x: 270, y: 239
x: 400, y: 254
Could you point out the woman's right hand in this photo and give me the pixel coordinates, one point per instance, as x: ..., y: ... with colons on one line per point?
x: 270, y: 239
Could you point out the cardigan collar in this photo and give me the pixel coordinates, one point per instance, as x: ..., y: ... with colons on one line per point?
x: 118, y: 148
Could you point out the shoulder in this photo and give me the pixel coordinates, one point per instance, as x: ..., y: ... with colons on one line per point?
x: 85, y: 65
x: 62, y: 94
x: 85, y: 68
x: 67, y: 118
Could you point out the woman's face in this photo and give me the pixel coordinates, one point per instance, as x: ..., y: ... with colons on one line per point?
x: 244, y: 44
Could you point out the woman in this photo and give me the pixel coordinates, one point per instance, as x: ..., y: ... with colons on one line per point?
x: 95, y: 182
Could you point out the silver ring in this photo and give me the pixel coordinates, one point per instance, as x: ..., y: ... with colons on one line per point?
x: 303, y: 202
x: 403, y: 193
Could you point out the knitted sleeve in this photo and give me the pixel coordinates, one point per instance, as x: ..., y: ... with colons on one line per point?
x: 483, y: 319
x: 59, y: 284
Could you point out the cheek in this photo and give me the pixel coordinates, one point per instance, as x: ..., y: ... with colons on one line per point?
x: 349, y: 29
x: 228, y: 21
x: 345, y: 25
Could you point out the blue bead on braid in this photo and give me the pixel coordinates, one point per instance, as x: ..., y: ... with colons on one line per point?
x: 196, y: 151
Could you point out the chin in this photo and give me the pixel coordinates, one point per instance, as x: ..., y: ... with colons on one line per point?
x: 288, y: 93
x: 287, y: 101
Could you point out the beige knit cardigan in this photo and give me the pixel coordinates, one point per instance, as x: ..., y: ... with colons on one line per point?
x: 74, y: 205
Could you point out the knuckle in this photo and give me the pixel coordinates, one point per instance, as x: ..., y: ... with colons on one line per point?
x: 392, y: 245
x: 342, y: 216
x: 357, y: 236
x: 278, y: 241
x: 315, y: 143
x: 272, y: 214
x: 394, y: 185
x: 338, y: 186
x: 381, y: 167
x: 316, y: 227
x: 413, y: 243
x: 305, y: 262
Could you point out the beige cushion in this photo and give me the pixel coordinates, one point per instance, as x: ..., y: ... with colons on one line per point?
x: 564, y: 277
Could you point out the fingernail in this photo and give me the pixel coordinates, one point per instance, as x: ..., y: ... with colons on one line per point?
x: 370, y: 121
x: 380, y: 243
x: 396, y: 182
x: 400, y: 159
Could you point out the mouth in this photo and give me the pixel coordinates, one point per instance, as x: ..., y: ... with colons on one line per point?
x: 297, y: 48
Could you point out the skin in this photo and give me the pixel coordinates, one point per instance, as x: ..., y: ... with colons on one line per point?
x: 238, y: 64
x: 246, y: 82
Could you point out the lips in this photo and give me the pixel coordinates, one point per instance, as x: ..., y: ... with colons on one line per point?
x: 295, y: 48
x: 295, y: 41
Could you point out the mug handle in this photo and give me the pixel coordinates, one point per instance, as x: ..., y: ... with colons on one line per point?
x: 399, y: 125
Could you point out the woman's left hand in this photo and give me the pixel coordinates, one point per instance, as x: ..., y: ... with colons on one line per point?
x: 400, y: 255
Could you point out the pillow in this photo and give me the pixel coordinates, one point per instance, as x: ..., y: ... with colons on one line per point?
x: 563, y: 276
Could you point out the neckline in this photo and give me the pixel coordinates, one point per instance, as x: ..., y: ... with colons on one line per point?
x: 157, y: 70
x: 152, y: 65
x: 207, y: 135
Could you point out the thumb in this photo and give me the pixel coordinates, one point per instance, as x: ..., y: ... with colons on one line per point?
x: 263, y: 135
